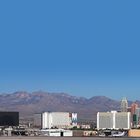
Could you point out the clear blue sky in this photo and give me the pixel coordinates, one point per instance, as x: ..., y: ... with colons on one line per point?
x: 81, y: 47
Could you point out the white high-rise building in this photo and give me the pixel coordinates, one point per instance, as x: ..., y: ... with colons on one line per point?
x: 56, y: 119
x: 113, y: 120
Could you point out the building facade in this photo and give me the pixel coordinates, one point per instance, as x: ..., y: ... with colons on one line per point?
x: 55, y: 120
x: 124, y: 105
x: 122, y: 120
x: 38, y: 120
x: 113, y: 120
x: 134, y: 106
x: 134, y: 114
x: 138, y: 116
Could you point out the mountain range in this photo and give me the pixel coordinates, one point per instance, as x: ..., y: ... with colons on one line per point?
x: 29, y: 103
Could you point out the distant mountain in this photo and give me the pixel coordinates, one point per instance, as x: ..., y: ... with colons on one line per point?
x: 29, y: 103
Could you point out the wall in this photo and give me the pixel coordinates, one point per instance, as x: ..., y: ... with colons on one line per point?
x: 134, y: 133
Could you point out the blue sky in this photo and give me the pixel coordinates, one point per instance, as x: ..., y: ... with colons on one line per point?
x: 84, y: 48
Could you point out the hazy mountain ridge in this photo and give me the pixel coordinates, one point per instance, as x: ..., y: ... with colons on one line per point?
x: 29, y: 103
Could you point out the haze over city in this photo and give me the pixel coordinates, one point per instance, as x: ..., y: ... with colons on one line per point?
x: 83, y: 48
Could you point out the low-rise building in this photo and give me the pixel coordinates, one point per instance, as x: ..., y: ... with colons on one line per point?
x: 56, y: 132
x: 134, y: 133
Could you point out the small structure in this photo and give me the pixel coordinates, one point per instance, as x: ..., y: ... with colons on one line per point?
x: 56, y: 132
x: 134, y: 133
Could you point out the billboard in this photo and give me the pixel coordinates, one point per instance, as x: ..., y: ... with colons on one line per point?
x: 9, y: 118
x: 74, y: 119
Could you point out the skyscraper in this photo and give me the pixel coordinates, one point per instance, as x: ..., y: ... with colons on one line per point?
x: 134, y: 115
x: 124, y: 105
x: 134, y: 106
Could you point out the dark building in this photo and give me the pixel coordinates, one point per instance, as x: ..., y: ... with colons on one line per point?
x: 9, y: 118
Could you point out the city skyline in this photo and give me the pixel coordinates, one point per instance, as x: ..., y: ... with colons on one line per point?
x: 83, y: 48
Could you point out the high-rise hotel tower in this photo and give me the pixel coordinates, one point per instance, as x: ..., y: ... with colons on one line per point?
x: 124, y: 105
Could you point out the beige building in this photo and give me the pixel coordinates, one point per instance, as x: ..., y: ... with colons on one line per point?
x: 134, y: 133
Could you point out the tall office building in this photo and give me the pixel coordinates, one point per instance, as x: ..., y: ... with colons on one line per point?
x: 124, y: 105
